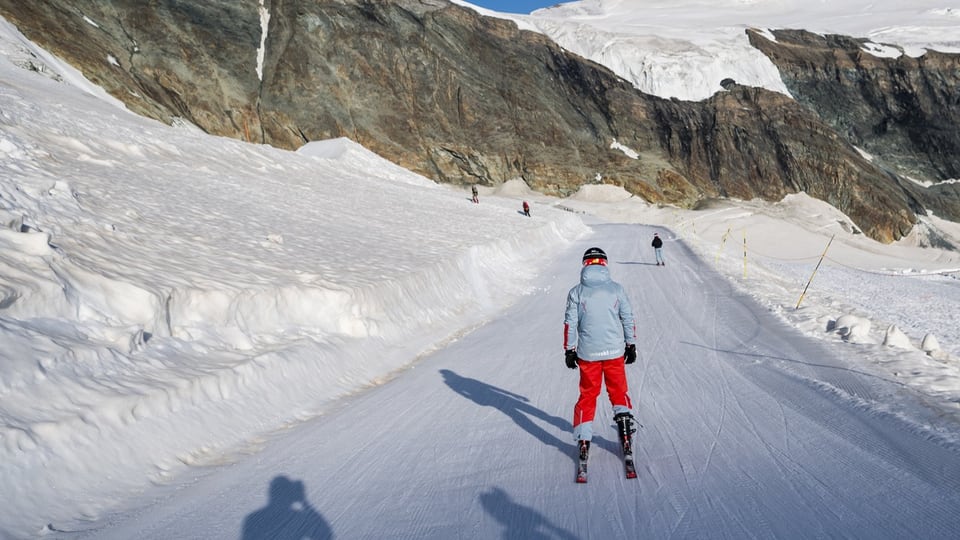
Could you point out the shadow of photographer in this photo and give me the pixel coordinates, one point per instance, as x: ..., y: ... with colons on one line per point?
x: 520, y: 522
x: 287, y: 516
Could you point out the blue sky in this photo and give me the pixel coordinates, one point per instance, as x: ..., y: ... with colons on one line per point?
x: 515, y: 6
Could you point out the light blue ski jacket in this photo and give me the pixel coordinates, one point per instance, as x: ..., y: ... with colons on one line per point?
x: 599, y: 321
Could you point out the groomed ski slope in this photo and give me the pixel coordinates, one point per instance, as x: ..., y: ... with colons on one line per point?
x: 750, y: 430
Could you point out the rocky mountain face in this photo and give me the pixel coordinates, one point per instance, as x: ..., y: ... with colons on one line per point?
x: 903, y: 111
x: 462, y: 98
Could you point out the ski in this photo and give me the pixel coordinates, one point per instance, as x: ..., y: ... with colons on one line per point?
x: 582, y: 472
x: 583, y: 454
x: 629, y: 469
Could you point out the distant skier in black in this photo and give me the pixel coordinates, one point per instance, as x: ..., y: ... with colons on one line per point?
x: 658, y: 249
x: 476, y: 195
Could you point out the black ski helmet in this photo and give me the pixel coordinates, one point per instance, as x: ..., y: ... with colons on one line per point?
x: 594, y: 255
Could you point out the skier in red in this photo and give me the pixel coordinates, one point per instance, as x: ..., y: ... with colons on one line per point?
x: 526, y: 209
x: 599, y: 337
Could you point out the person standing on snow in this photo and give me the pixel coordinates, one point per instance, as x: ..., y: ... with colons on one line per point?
x: 476, y: 196
x: 526, y: 209
x: 658, y: 249
x: 599, y: 337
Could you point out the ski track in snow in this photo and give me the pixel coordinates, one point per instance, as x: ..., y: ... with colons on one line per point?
x: 749, y: 430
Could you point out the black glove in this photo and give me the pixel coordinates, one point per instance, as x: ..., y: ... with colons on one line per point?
x: 630, y: 354
x: 570, y: 357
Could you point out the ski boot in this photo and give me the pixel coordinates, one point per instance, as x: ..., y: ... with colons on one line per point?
x: 625, y: 430
x: 584, y: 450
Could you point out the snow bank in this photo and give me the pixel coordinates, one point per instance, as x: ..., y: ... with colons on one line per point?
x: 167, y: 296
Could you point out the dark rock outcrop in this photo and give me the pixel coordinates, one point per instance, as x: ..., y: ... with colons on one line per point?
x: 903, y: 111
x: 751, y: 142
x: 457, y: 97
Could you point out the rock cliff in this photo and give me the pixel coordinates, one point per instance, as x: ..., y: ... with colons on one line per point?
x: 902, y: 111
x: 459, y: 98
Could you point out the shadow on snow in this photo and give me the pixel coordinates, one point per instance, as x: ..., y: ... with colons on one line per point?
x: 520, y: 522
x: 515, y: 406
x: 287, y: 516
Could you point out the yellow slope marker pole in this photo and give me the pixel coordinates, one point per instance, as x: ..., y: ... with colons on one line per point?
x: 814, y: 272
x: 723, y: 241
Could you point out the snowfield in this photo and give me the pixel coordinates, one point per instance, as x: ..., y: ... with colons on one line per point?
x: 202, y: 338
x: 684, y: 48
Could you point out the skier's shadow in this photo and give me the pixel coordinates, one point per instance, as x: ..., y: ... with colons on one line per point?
x: 520, y: 522
x: 287, y: 516
x: 513, y: 405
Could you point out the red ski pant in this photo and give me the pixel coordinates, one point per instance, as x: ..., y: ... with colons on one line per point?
x: 592, y: 374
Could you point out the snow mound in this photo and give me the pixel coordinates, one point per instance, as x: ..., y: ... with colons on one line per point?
x: 600, y: 193
x: 895, y: 337
x: 514, y: 188
x: 930, y: 344
x: 853, y: 328
x: 343, y: 150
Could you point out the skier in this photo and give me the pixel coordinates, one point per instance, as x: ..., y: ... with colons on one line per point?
x: 658, y: 249
x: 526, y: 209
x: 599, y: 337
x: 476, y: 196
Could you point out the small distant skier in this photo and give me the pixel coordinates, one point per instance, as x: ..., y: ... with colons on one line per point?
x: 526, y: 209
x: 658, y: 249
x: 599, y: 337
x: 476, y: 194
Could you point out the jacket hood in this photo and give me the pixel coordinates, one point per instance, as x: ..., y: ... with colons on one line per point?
x: 594, y: 274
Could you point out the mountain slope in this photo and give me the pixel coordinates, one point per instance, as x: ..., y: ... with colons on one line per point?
x: 882, y: 74
x: 458, y: 98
